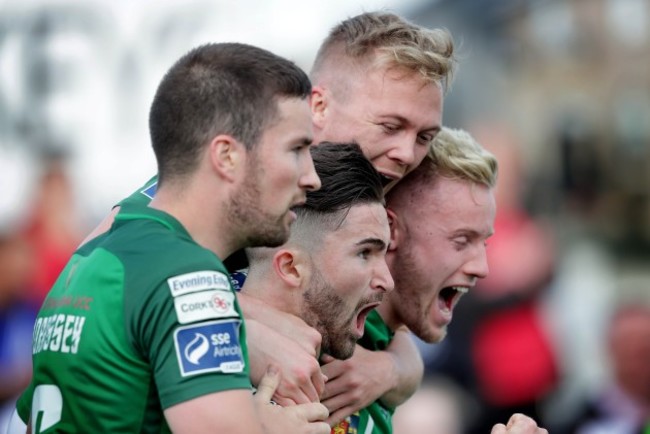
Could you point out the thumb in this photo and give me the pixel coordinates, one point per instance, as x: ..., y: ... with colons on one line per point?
x: 268, y: 385
x: 326, y: 358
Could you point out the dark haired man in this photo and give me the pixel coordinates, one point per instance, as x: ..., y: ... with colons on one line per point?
x: 332, y: 271
x: 142, y: 332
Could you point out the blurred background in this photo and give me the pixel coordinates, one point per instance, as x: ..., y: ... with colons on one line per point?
x: 559, y: 90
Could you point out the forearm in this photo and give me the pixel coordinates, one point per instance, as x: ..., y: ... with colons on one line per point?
x: 407, y: 369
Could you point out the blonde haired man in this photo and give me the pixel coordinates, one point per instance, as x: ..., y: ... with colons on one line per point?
x: 379, y: 80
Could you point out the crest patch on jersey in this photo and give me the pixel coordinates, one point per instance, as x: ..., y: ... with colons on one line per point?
x: 197, y: 281
x: 237, y: 279
x: 199, y: 306
x: 150, y: 191
x: 349, y: 425
x: 209, y: 347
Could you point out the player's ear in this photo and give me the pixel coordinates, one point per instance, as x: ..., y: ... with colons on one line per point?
x: 319, y: 104
x: 226, y: 156
x: 288, y: 265
x: 396, y: 232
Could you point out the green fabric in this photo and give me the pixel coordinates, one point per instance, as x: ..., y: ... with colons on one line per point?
x: 106, y: 340
x: 376, y: 418
x: 143, y: 195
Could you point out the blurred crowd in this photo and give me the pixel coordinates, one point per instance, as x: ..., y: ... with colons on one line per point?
x: 34, y: 247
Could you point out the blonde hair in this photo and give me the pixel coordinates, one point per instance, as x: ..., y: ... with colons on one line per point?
x: 456, y: 154
x: 386, y: 39
x: 452, y: 154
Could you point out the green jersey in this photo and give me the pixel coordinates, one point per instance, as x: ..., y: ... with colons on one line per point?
x: 376, y: 418
x: 143, y: 195
x: 142, y: 318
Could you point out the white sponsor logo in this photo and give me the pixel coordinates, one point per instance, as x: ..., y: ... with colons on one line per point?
x: 197, y: 281
x: 196, y: 349
x: 205, y: 305
x: 209, y: 347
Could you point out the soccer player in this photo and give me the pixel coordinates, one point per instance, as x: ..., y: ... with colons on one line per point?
x: 332, y: 272
x: 142, y: 332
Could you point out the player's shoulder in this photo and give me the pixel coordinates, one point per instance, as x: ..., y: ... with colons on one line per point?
x: 153, y: 247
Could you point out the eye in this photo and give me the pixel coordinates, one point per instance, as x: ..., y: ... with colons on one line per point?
x: 390, y: 128
x: 461, y: 241
x: 425, y: 139
x: 302, y: 147
x: 364, y: 254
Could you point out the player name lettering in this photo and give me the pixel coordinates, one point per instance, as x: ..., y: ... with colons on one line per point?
x: 60, y: 333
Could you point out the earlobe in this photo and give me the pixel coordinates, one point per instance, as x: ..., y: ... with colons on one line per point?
x: 226, y: 154
x: 318, y: 102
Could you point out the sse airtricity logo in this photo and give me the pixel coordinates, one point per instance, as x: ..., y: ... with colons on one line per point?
x: 197, y: 348
x: 209, y: 347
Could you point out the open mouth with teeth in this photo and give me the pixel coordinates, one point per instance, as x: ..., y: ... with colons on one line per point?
x: 451, y: 295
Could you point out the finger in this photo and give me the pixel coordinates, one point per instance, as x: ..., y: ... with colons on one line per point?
x: 319, y: 428
x: 284, y: 401
x: 335, y: 387
x: 520, y: 423
x: 316, y: 387
x: 514, y: 419
x: 498, y: 429
x: 336, y: 402
x: 312, y: 412
x: 333, y: 369
x: 326, y: 358
x: 268, y: 384
x: 339, y: 415
x: 306, y: 391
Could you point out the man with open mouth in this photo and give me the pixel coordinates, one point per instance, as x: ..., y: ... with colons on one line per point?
x: 441, y: 216
x: 332, y: 272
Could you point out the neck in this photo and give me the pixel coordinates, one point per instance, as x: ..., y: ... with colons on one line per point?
x: 199, y: 213
x: 265, y: 288
x: 387, y: 313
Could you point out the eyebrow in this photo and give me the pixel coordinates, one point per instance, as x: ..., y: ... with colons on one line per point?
x: 473, y: 234
x: 403, y: 120
x: 376, y: 242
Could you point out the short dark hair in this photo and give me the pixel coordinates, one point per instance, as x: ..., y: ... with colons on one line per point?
x: 348, y: 178
x: 220, y: 88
